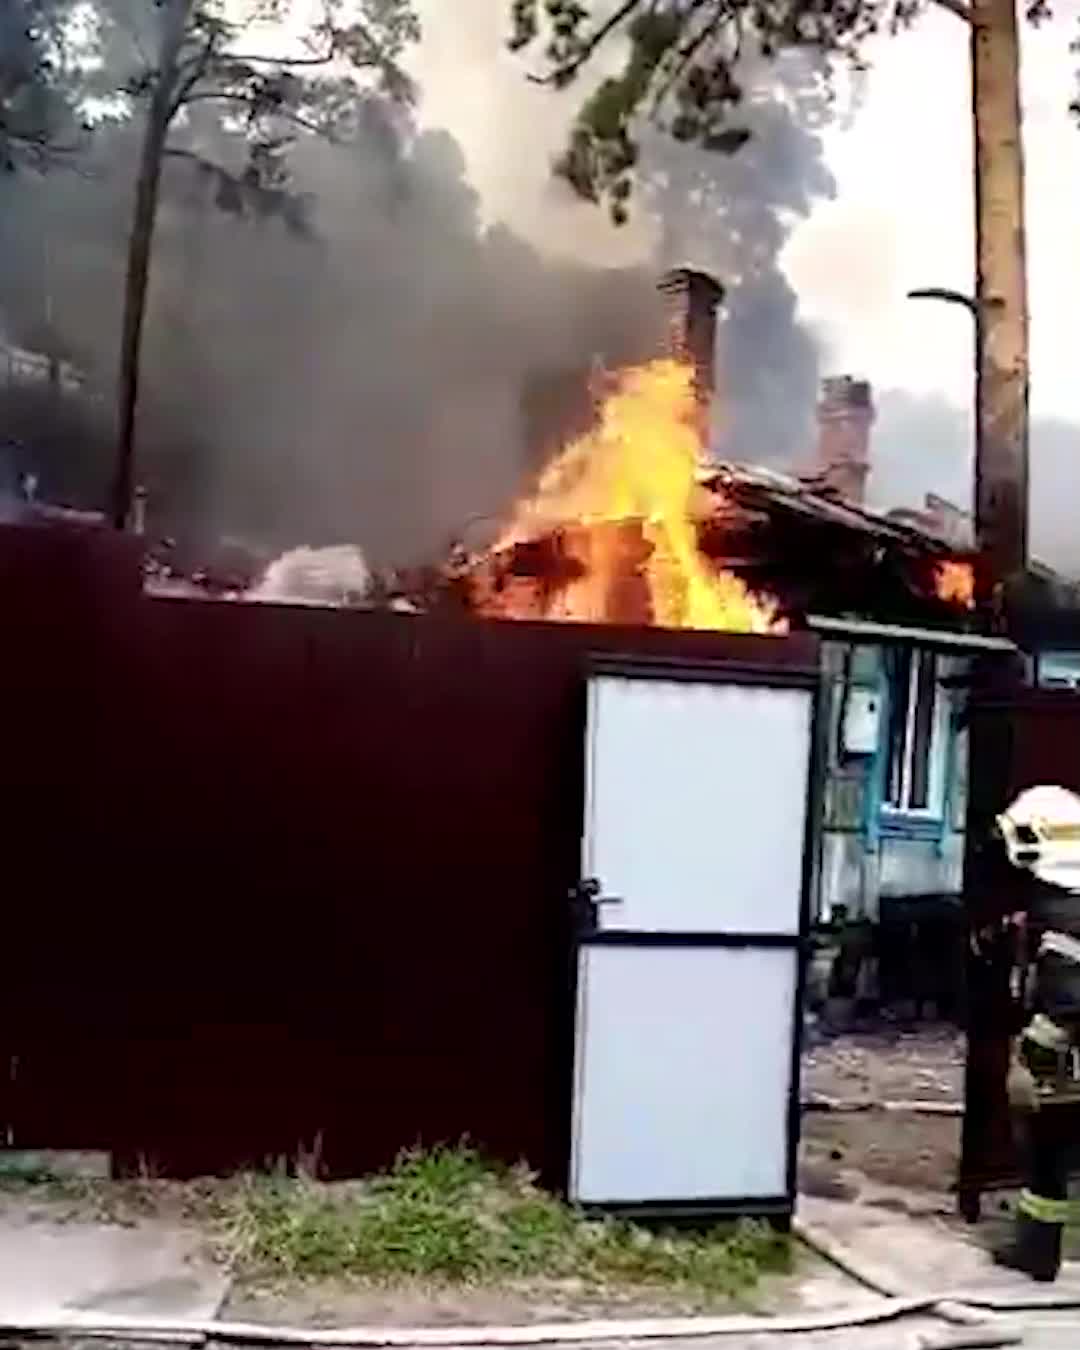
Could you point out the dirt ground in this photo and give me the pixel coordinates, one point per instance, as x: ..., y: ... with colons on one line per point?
x: 839, y: 1154
x: 902, y: 1159
x: 896, y: 1159
x: 886, y: 1064
x: 341, y: 1303
x: 899, y: 1160
x: 329, y: 1304
x: 844, y: 1152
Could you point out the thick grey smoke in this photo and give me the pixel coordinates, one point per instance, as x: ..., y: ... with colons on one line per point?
x: 923, y: 443
x: 401, y: 369
x: 732, y: 216
x: 360, y: 384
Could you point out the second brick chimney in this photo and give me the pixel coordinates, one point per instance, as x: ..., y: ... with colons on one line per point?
x: 845, y: 415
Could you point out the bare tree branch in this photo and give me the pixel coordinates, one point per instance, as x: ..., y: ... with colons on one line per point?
x: 287, y: 114
x: 689, y: 50
x: 197, y: 70
x: 283, y: 60
x: 218, y: 96
x: 178, y: 152
x: 569, y: 69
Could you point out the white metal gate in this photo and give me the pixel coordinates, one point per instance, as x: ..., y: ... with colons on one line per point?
x: 690, y: 954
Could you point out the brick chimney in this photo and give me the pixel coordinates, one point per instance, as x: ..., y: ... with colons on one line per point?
x: 692, y: 299
x: 845, y: 415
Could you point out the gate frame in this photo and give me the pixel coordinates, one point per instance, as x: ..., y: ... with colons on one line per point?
x: 778, y: 1210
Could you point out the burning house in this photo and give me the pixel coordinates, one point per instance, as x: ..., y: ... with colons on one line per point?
x: 635, y: 523
x: 368, y: 829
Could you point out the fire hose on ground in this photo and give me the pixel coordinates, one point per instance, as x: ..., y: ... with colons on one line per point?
x: 975, y: 1311
x: 972, y: 1315
x: 168, y: 1331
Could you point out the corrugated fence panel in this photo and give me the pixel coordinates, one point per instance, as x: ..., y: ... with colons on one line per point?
x: 282, y: 878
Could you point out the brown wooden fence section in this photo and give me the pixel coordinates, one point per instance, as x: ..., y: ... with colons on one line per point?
x: 278, y: 878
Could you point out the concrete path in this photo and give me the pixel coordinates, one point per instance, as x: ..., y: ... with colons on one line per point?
x: 154, y: 1270
x: 906, y: 1255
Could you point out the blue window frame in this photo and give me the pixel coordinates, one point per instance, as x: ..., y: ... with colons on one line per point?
x: 915, y: 748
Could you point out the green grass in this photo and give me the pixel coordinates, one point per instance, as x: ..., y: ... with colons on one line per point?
x: 446, y: 1215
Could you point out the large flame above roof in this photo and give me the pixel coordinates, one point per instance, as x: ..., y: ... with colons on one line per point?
x: 617, y: 509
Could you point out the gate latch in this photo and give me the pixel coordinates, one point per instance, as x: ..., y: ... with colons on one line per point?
x: 586, y: 897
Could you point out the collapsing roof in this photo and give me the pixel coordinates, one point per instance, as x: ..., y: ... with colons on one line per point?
x: 756, y: 487
x: 824, y: 554
x: 808, y: 549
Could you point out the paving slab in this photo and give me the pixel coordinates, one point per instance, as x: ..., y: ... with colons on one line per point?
x: 928, y: 1254
x: 816, y: 1286
x: 152, y: 1269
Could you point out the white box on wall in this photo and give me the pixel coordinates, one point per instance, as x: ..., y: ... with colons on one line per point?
x: 861, y: 729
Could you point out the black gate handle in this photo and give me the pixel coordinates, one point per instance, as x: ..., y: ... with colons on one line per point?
x: 586, y: 897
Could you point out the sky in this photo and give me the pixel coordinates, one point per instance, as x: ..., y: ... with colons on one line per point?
x: 902, y: 218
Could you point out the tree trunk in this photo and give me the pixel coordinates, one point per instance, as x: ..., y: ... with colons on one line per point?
x: 140, y: 243
x: 1001, y: 430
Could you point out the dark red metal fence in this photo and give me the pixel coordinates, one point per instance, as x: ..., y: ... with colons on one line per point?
x: 286, y: 878
x: 1020, y: 738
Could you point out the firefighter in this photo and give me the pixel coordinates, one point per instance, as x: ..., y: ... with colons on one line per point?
x: 1040, y: 833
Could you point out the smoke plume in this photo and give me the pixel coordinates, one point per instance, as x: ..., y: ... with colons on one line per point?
x: 923, y: 443
x: 360, y: 383
x: 398, y: 370
x: 732, y: 216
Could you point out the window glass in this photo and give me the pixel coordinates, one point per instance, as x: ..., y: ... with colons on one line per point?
x: 922, y: 735
x: 912, y: 743
x: 898, y: 669
x: 1059, y: 670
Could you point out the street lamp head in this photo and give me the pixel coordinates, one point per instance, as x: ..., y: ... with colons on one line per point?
x: 947, y: 296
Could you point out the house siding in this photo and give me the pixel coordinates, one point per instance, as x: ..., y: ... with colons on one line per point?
x: 868, y: 856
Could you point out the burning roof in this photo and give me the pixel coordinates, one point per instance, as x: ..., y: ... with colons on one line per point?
x: 765, y: 489
x: 631, y: 524
x: 610, y: 533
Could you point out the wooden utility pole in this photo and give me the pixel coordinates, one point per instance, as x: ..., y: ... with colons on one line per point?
x: 1001, y: 308
x: 1001, y: 515
x: 158, y: 120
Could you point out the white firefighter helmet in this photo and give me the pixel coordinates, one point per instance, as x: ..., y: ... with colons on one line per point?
x: 1041, y: 830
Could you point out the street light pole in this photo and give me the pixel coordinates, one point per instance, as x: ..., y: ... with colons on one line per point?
x: 950, y: 297
x: 987, y: 579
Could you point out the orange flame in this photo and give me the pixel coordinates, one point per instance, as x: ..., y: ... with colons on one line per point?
x: 621, y: 502
x: 954, y: 583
